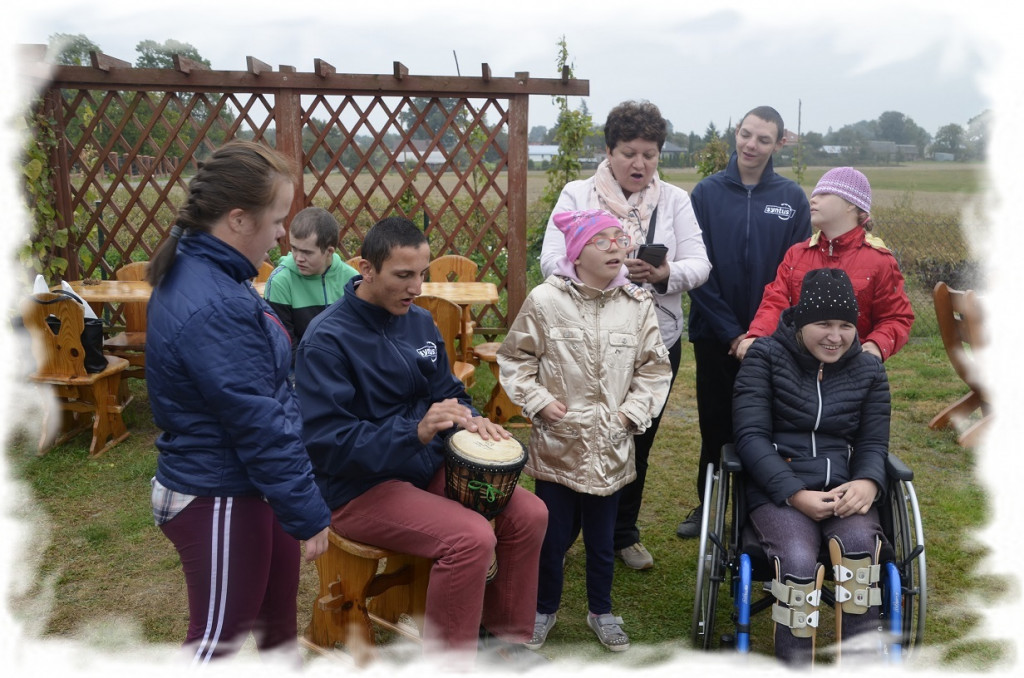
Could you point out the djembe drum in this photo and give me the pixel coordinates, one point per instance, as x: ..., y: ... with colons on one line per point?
x: 481, y: 474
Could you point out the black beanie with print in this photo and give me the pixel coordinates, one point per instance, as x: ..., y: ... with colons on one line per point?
x: 826, y: 294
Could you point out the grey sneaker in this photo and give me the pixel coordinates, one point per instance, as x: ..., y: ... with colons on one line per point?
x: 541, y: 627
x: 609, y: 631
x: 690, y: 528
x: 636, y: 557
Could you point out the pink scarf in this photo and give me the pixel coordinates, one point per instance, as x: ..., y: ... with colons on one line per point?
x: 635, y: 212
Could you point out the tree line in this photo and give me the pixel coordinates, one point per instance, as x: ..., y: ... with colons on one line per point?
x: 851, y: 144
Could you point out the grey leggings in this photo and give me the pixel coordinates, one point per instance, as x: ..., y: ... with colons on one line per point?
x: 787, y: 534
x: 796, y: 540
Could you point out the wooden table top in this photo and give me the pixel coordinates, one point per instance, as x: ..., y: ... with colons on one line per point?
x: 463, y: 293
x: 119, y: 291
x: 111, y: 291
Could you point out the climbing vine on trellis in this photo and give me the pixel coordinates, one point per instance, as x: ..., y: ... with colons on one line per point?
x: 45, y: 238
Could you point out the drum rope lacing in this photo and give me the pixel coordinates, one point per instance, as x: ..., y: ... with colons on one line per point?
x: 488, y: 491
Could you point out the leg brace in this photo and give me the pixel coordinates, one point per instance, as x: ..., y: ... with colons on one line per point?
x: 856, y: 576
x: 798, y: 599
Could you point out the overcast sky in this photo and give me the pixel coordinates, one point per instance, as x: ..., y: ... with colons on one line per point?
x: 937, y: 62
x: 699, y: 62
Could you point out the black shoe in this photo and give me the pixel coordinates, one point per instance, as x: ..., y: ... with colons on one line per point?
x: 690, y: 528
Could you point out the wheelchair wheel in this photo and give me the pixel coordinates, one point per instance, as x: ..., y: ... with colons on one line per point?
x: 710, y: 558
x: 908, y: 545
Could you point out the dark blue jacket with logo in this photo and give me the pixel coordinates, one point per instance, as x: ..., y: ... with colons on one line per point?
x: 217, y: 361
x: 365, y: 378
x: 746, y: 233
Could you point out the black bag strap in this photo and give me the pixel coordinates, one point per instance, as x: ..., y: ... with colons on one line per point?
x: 59, y: 293
x: 650, y: 227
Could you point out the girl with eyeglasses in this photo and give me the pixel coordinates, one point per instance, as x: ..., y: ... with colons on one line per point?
x: 649, y: 210
x: 586, y: 362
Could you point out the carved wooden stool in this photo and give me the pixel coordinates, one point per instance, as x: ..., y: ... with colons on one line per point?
x: 360, y: 586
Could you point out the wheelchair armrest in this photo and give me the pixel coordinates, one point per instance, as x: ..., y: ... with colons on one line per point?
x: 730, y: 460
x: 895, y: 468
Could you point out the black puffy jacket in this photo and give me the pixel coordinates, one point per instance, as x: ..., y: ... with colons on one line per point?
x: 794, y: 431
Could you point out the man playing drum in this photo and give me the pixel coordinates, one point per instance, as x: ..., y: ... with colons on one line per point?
x: 378, y: 399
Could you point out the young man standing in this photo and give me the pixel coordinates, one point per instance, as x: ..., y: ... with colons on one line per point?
x: 378, y: 399
x: 312, y: 276
x: 749, y: 216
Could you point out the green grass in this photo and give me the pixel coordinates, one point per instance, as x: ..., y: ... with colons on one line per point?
x: 926, y: 177
x: 105, y: 563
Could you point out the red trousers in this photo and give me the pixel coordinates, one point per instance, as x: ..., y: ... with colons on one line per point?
x: 399, y: 516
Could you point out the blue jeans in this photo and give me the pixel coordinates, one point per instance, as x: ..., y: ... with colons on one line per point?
x: 796, y: 540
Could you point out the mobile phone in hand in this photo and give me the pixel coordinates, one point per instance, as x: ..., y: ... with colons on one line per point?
x: 653, y: 253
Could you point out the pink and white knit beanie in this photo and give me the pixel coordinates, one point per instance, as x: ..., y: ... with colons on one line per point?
x: 849, y: 184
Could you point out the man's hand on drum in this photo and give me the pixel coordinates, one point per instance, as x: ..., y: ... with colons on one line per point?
x: 447, y: 413
x: 487, y: 429
x: 442, y: 416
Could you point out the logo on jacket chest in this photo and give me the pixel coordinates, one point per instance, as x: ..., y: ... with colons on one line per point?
x: 428, y: 351
x: 783, y: 211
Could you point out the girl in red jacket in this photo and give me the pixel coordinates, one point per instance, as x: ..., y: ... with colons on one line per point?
x: 840, y: 215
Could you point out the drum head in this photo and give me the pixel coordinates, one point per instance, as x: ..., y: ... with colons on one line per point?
x: 472, y: 447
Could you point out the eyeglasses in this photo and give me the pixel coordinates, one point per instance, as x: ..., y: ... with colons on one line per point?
x: 603, y: 243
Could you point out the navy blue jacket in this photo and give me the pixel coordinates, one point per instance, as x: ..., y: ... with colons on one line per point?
x: 794, y: 432
x: 746, y: 233
x: 217, y: 362
x: 365, y: 378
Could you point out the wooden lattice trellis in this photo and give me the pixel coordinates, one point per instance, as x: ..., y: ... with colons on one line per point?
x: 448, y: 152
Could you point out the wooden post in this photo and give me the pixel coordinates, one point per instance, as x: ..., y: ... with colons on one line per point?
x: 518, y: 132
x: 288, y: 116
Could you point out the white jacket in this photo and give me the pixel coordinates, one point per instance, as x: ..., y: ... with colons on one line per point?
x: 676, y: 228
x: 599, y: 353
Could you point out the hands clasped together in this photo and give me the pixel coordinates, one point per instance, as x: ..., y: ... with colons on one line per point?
x: 843, y: 501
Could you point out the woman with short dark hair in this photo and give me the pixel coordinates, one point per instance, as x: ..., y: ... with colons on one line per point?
x: 650, y: 211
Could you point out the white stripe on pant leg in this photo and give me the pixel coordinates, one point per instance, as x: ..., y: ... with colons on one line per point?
x: 225, y: 567
x: 210, y: 636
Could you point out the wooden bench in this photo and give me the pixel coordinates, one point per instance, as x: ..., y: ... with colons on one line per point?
x: 961, y: 325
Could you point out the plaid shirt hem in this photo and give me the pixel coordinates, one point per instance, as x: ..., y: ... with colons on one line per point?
x: 167, y: 503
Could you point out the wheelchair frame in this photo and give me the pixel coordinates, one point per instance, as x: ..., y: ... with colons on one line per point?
x: 724, y: 558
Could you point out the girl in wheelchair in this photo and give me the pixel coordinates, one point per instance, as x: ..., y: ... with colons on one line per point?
x: 811, y: 415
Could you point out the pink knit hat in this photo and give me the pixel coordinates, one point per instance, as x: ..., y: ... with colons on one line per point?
x: 849, y: 184
x: 580, y: 227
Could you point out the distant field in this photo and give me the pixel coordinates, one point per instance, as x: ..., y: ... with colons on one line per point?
x: 935, y: 187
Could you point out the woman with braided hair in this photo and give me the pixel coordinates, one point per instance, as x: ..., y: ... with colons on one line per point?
x: 234, y: 489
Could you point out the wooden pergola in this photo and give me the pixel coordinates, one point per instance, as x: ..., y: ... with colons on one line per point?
x: 128, y: 140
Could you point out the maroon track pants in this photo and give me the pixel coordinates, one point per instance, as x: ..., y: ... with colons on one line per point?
x: 242, y: 573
